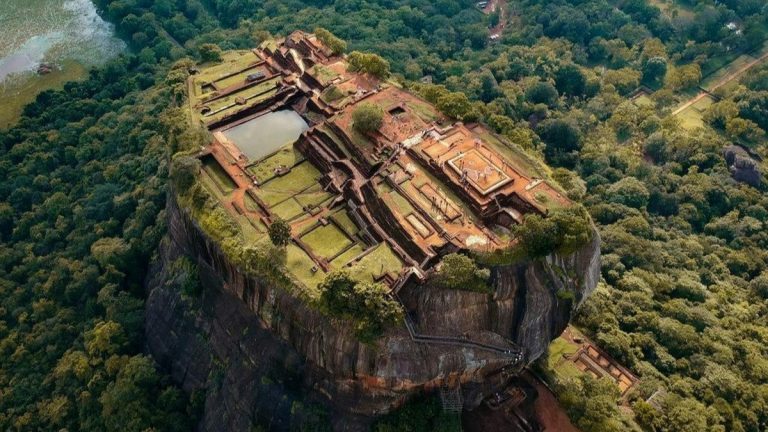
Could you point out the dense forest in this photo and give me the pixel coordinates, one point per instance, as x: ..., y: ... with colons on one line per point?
x: 684, y: 297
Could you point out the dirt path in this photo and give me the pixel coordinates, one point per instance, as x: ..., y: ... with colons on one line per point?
x: 551, y: 415
x: 503, y: 16
x: 723, y: 81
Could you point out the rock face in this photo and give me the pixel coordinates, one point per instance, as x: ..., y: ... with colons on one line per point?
x: 742, y: 166
x: 258, y: 351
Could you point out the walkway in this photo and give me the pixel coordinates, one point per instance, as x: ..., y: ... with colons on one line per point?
x: 515, y: 352
x: 723, y: 81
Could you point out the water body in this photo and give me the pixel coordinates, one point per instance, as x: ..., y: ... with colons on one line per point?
x: 67, y: 34
x: 267, y: 134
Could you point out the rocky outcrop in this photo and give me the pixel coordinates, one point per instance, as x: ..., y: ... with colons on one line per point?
x: 260, y: 353
x: 743, y: 166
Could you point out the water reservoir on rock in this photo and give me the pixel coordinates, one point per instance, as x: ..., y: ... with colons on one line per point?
x: 266, y: 134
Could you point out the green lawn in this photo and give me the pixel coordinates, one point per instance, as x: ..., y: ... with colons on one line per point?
x: 562, y: 367
x: 380, y: 261
x: 253, y: 229
x: 216, y: 172
x: 250, y: 203
x: 299, y: 264
x: 343, y: 219
x: 516, y: 156
x: 702, y: 104
x: 279, y: 189
x: 402, y: 205
x: 714, y: 78
x: 264, y: 170
x: 643, y: 101
x: 344, y: 258
x: 313, y: 196
x: 238, y: 78
x: 424, y: 110
x: 288, y: 209
x: 326, y: 241
x: 690, y: 118
x: 323, y: 74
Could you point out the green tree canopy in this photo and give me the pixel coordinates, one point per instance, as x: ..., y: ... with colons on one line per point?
x: 461, y: 272
x: 280, y: 232
x: 562, y: 231
x: 210, y: 52
x: 367, y: 117
x: 367, y: 305
x: 336, y: 45
x: 368, y: 63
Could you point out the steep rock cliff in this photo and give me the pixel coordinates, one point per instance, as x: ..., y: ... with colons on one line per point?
x: 258, y: 351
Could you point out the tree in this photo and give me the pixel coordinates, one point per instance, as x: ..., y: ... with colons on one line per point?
x: 210, y: 53
x: 563, y: 139
x: 624, y: 80
x: 591, y: 403
x: 455, y: 105
x: 336, y: 45
x: 280, y: 232
x: 461, y: 272
x: 760, y: 285
x: 367, y: 305
x: 654, y: 70
x: 542, y: 92
x: 184, y: 171
x: 630, y: 192
x: 367, y: 117
x: 563, y: 231
x: 110, y: 251
x: 569, y: 80
x: 683, y: 77
x: 368, y: 63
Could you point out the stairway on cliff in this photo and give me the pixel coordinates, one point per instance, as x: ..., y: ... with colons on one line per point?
x: 450, y: 397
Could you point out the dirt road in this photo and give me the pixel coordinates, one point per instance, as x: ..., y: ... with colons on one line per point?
x: 723, y: 81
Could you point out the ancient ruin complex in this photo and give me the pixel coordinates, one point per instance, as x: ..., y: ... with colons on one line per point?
x: 416, y: 189
x: 386, y: 206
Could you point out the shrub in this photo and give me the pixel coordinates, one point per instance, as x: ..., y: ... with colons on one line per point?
x: 367, y: 305
x: 367, y: 118
x: 280, y: 232
x: 372, y: 64
x: 336, y: 45
x: 184, y: 170
x: 564, y: 231
x: 210, y: 53
x: 461, y: 272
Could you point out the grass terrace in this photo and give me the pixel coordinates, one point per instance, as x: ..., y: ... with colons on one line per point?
x: 724, y: 71
x: 221, y: 179
x: 692, y: 117
x: 559, y: 349
x: 264, y: 170
x: 512, y: 153
x: 298, y: 180
x: 378, y: 262
x: 223, y: 107
x: 301, y: 266
x: 232, y: 63
x: 323, y: 74
x: 327, y: 241
x: 643, y: 100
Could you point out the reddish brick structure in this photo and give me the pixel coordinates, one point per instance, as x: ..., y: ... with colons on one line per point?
x: 420, y: 184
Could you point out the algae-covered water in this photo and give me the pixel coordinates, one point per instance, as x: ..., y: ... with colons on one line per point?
x: 67, y: 34
x: 266, y: 134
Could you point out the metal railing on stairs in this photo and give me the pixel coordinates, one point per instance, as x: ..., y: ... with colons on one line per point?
x: 515, y: 352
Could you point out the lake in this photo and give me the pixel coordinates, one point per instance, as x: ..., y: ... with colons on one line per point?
x: 266, y: 134
x: 66, y: 34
